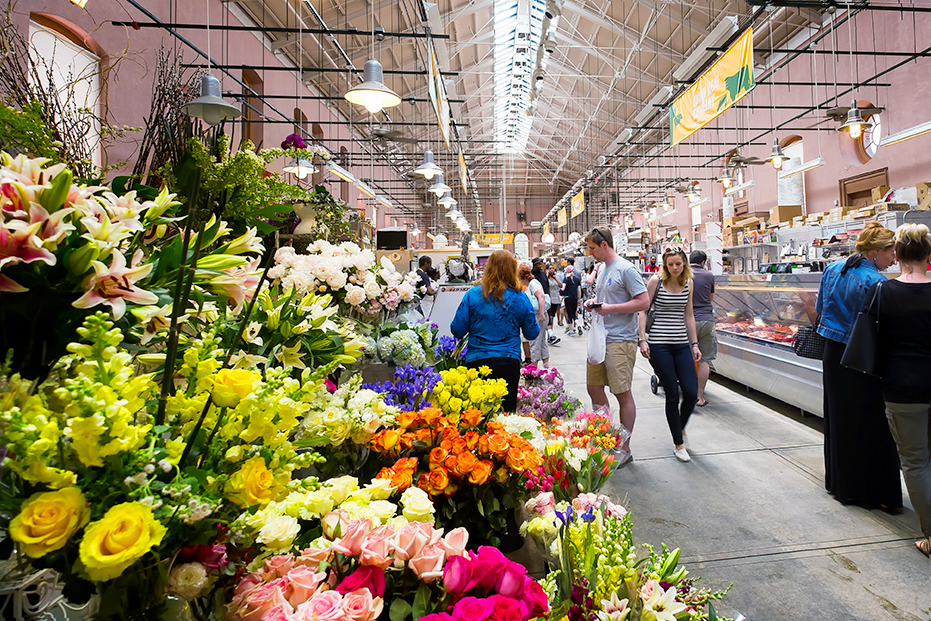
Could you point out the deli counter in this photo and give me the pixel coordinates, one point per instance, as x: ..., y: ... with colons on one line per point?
x: 756, y: 318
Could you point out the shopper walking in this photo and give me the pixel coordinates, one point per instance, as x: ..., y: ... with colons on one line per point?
x: 702, y: 307
x: 570, y: 289
x: 671, y: 343
x: 903, y: 308
x: 493, y: 316
x: 860, y: 462
x: 539, y: 347
x: 619, y: 295
x: 555, y: 303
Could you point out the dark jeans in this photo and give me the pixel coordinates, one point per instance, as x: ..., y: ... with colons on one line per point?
x: 572, y: 305
x: 675, y: 369
x: 507, y: 369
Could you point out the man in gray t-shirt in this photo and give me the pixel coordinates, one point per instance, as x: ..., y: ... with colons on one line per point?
x: 702, y: 298
x: 619, y: 294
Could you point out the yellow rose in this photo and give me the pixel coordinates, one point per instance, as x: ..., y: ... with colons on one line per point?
x: 253, y: 484
x: 125, y: 533
x: 230, y: 386
x: 417, y: 505
x: 48, y: 519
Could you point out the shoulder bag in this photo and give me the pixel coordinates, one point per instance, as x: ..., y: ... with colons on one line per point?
x: 862, y: 352
x: 808, y: 343
x: 651, y: 312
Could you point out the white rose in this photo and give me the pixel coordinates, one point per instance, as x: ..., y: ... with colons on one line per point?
x: 337, y: 280
x: 187, y: 580
x: 341, y: 487
x: 278, y: 532
x: 382, y: 510
x: 372, y: 289
x: 355, y: 295
x: 386, y: 263
x: 380, y: 489
x: 417, y: 505
x: 351, y: 248
x: 364, y: 260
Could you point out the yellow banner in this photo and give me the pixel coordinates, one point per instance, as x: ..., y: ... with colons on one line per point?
x: 463, y: 172
x: 720, y: 87
x: 546, y: 228
x: 495, y: 238
x: 561, y: 218
x: 578, y: 203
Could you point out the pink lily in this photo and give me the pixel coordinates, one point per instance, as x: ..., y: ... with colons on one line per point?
x: 20, y: 244
x: 113, y: 285
x: 237, y: 283
x: 9, y: 285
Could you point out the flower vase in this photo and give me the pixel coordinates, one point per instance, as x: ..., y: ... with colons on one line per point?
x: 307, y: 218
x: 141, y: 594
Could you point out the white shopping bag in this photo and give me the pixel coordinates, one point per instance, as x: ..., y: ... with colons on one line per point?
x: 596, y: 339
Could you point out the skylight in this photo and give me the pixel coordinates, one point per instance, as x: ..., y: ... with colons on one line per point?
x: 518, y: 28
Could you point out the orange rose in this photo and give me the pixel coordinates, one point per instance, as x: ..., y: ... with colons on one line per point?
x: 437, y: 456
x: 450, y: 463
x: 406, y: 419
x: 498, y: 444
x: 406, y: 463
x: 494, y: 427
x: 402, y: 480
x: 450, y: 433
x: 472, y: 417
x: 385, y: 440
x: 480, y: 472
x: 385, y: 473
x: 431, y: 415
x: 451, y: 490
x: 406, y: 441
x: 533, y: 459
x: 464, y: 463
x: 424, y: 435
x: 460, y: 446
x: 471, y: 438
x: 439, y: 481
x: 515, y: 459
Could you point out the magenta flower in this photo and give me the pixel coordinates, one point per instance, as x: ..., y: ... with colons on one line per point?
x: 114, y: 284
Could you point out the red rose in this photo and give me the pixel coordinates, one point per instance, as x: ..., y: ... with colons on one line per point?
x: 368, y: 577
x: 507, y: 609
x: 535, y: 598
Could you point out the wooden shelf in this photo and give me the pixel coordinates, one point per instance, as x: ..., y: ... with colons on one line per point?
x: 759, y: 245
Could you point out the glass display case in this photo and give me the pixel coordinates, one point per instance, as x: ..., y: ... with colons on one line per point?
x: 757, y: 317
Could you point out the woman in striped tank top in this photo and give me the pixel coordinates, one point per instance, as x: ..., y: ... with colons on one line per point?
x: 672, y: 346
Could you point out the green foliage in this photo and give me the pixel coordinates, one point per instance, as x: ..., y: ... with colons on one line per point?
x: 334, y: 221
x: 25, y: 131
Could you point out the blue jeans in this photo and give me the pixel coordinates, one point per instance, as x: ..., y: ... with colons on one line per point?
x: 675, y: 369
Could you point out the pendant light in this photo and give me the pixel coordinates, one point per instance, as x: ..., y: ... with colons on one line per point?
x: 448, y: 201
x: 777, y: 157
x: 855, y: 124
x: 726, y: 179
x: 453, y: 213
x: 340, y: 172
x: 428, y: 169
x: 210, y: 106
x: 416, y: 230
x: 300, y: 168
x: 372, y: 93
x: 439, y: 188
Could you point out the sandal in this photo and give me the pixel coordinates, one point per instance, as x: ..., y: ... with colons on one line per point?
x: 702, y: 404
x: 924, y: 546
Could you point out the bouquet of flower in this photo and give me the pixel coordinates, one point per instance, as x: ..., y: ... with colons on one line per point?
x: 599, y: 576
x: 450, y: 352
x: 403, y: 342
x: 544, y: 395
x: 356, y: 280
x: 464, y: 389
x: 461, y: 462
x: 410, y: 388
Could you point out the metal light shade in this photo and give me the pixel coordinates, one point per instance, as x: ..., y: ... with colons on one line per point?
x: 340, y: 172
x: 453, y: 213
x: 416, y: 230
x: 372, y: 93
x: 300, y: 168
x: 210, y: 106
x: 428, y: 170
x: 448, y: 201
x: 855, y: 124
x: 364, y: 188
x: 726, y: 179
x: 777, y: 157
x: 439, y: 188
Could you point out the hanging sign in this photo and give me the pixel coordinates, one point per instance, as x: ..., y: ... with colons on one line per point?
x: 497, y: 238
x: 561, y: 218
x: 720, y: 87
x: 546, y: 229
x: 440, y: 99
x: 463, y: 172
x: 578, y: 203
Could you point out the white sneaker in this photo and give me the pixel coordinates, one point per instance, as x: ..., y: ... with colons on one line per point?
x: 685, y: 441
x: 682, y: 455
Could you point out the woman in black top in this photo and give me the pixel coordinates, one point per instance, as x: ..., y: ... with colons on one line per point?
x: 570, y: 293
x: 903, y: 307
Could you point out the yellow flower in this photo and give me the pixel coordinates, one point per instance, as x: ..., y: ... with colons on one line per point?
x: 253, y: 484
x: 48, y: 519
x: 40, y: 472
x: 125, y: 533
x: 230, y: 386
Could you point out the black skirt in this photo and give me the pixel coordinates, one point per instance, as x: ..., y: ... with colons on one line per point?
x: 861, y: 464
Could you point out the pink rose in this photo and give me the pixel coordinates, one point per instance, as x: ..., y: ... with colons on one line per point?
x: 455, y: 541
x: 355, y: 533
x: 487, y: 566
x: 279, y: 613
x: 413, y: 538
x: 428, y: 565
x: 361, y: 606
x: 541, y: 504
x: 511, y: 581
x: 366, y: 576
x: 473, y: 609
x: 258, y: 601
x: 378, y: 547
x: 312, y: 557
x: 325, y: 606
x: 534, y: 597
x: 457, y: 575
x: 304, y: 583
x: 507, y: 609
x: 284, y: 584
x: 278, y: 566
x: 437, y: 616
x: 334, y: 524
x: 584, y: 501
x: 646, y: 591
x: 249, y: 582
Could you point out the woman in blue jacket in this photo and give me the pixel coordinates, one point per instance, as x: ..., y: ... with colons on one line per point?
x: 493, y: 316
x: 861, y: 465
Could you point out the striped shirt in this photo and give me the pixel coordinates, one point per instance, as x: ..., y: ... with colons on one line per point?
x: 669, y: 316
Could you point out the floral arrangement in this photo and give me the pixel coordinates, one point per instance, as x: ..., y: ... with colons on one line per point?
x: 462, y: 389
x: 356, y: 280
x: 403, y: 342
x: 450, y: 352
x: 598, y: 574
x: 409, y: 388
x: 466, y: 461
x: 544, y: 395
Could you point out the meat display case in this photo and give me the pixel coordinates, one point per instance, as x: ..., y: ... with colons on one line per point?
x: 756, y: 319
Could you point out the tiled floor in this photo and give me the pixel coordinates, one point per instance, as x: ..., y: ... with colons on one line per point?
x: 751, y: 509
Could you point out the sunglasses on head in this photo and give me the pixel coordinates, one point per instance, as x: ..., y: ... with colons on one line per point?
x: 601, y: 236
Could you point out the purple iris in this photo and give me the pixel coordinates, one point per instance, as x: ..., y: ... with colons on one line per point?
x: 589, y: 515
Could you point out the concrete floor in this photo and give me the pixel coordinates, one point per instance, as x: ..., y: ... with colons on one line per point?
x: 751, y: 508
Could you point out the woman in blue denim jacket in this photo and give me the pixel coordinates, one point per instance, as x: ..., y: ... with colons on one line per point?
x: 861, y: 465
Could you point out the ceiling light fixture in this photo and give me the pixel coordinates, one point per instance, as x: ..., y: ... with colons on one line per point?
x: 439, y: 188
x: 428, y: 169
x: 416, y: 230
x: 340, y: 172
x: 906, y: 134
x: 210, y: 106
x: 448, y: 201
x: 364, y: 188
x: 802, y: 168
x: 855, y: 125
x: 381, y: 200
x: 453, y: 213
x: 739, y: 188
x: 777, y: 157
x: 726, y: 179
x: 300, y: 168
x: 372, y: 93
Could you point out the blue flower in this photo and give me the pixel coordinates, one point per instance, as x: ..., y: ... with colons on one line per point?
x: 589, y: 515
x: 565, y: 516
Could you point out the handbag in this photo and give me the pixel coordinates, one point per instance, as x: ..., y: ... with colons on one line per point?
x: 862, y: 352
x: 808, y: 343
x: 651, y: 312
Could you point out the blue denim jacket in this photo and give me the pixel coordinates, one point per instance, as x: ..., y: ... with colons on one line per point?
x: 841, y: 297
x: 494, y: 327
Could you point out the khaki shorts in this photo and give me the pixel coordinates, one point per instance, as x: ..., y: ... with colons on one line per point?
x: 707, y: 341
x: 617, y: 370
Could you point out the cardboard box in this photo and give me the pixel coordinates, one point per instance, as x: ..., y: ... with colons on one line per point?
x: 923, y: 189
x: 729, y: 222
x: 884, y: 207
x: 781, y: 213
x: 879, y: 193
x: 924, y: 204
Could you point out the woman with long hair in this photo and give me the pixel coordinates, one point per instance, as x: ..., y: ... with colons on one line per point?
x: 860, y: 462
x: 570, y: 289
x: 539, y: 347
x: 493, y: 315
x: 903, y: 309
x: 672, y: 343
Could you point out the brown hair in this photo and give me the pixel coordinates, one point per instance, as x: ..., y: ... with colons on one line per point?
x: 874, y: 236
x: 600, y: 234
x: 912, y: 243
x: 524, y: 271
x: 686, y: 274
x: 500, y: 275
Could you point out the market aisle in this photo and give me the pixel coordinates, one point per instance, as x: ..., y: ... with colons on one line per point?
x: 751, y: 509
